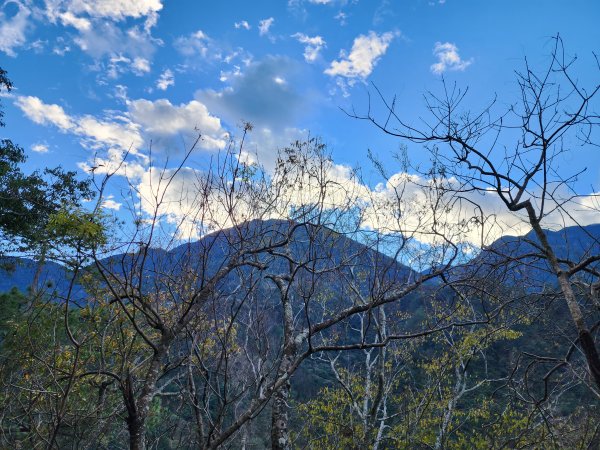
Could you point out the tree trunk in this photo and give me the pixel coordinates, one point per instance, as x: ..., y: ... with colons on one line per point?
x: 137, y: 433
x: 586, y: 340
x: 280, y: 436
x: 138, y: 407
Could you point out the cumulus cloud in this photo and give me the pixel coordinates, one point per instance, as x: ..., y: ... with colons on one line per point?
x: 45, y: 114
x: 140, y: 65
x: 448, y: 58
x: 111, y: 131
x: 13, y: 29
x: 165, y: 80
x: 102, y: 35
x: 313, y: 45
x: 110, y: 203
x: 360, y: 62
x: 129, y: 131
x: 39, y: 148
x: 242, y: 24
x: 160, y: 118
x: 404, y: 204
x: 117, y: 10
x: 172, y: 195
x: 265, y: 25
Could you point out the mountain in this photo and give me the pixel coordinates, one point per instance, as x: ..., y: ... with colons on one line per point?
x: 515, y: 259
x: 323, y: 247
x: 504, y: 257
x: 20, y: 272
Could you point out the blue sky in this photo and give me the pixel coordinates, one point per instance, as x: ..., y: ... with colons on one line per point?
x: 95, y: 78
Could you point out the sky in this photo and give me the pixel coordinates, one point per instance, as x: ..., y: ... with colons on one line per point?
x: 94, y: 79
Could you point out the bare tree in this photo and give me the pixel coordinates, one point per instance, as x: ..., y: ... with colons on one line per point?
x: 205, y: 335
x: 515, y: 155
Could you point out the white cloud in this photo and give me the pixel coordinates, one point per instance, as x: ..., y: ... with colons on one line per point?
x: 80, y: 23
x: 13, y: 29
x: 242, y: 24
x: 107, y: 39
x: 404, y: 204
x: 161, y: 118
x: 117, y: 10
x: 118, y: 131
x: 119, y: 64
x: 263, y: 144
x: 116, y: 134
x: 102, y: 35
x: 448, y: 58
x: 313, y: 45
x: 110, y: 203
x: 198, y: 44
x: 265, y: 25
x: 199, y: 49
x: 37, y: 46
x: 39, y: 148
x: 140, y: 66
x: 341, y: 18
x: 366, y: 51
x: 61, y: 47
x: 165, y: 80
x: 45, y: 114
x: 125, y: 130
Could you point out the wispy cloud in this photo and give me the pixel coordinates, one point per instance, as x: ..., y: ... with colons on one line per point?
x: 110, y: 31
x: 242, y: 24
x: 265, y: 25
x: 448, y: 58
x: 165, y: 80
x: 198, y: 44
x: 313, y: 45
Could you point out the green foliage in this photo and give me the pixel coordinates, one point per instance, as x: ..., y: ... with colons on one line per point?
x: 7, y: 85
x: 76, y: 227
x: 11, y: 305
x: 28, y: 201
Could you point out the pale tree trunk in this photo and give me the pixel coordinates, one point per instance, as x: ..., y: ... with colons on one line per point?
x: 586, y: 339
x: 457, y: 392
x: 280, y: 436
x: 38, y: 272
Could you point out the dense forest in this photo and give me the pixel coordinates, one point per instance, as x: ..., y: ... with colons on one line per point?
x: 307, y: 316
